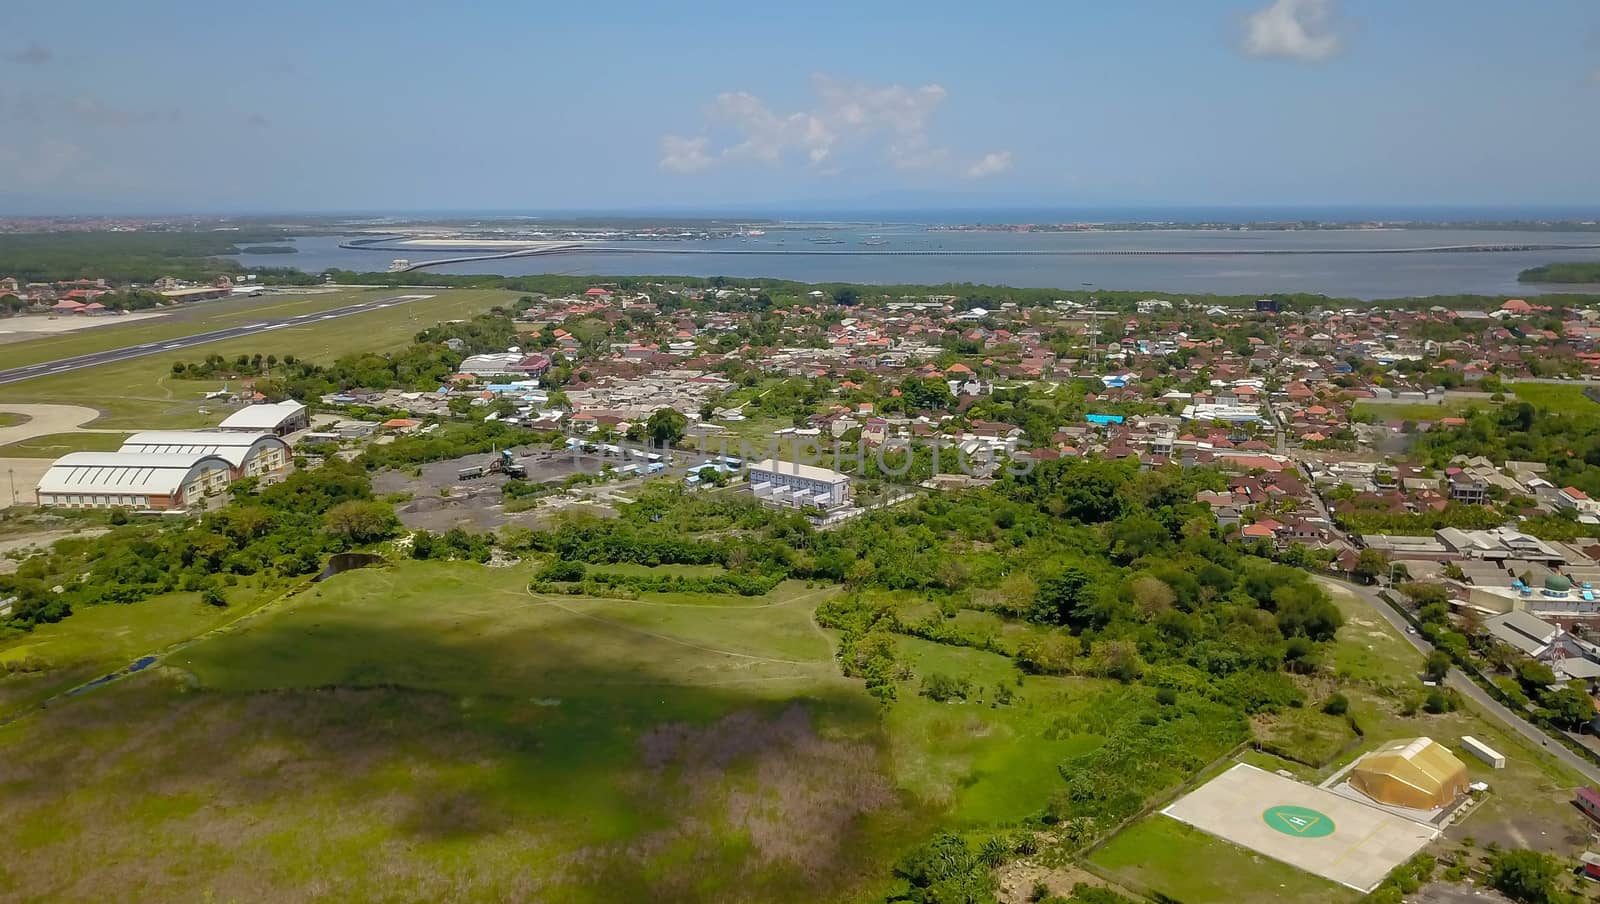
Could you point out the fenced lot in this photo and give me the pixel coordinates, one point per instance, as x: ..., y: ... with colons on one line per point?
x: 1318, y: 831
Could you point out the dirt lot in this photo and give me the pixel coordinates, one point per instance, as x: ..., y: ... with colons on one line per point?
x: 440, y: 499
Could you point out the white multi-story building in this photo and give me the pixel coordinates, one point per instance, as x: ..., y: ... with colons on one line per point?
x: 793, y: 485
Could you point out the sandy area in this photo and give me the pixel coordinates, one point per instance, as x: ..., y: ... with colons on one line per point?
x: 23, y: 474
x: 43, y: 420
x: 41, y: 323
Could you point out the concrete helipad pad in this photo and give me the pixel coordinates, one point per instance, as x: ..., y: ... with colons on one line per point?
x: 1318, y: 831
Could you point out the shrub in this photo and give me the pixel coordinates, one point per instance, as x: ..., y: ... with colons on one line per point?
x: 942, y: 688
x: 1336, y: 705
x: 561, y: 570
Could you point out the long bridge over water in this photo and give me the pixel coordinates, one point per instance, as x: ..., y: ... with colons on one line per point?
x: 555, y: 248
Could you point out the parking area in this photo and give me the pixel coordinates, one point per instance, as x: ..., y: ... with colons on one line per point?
x: 442, y: 499
x: 1335, y: 837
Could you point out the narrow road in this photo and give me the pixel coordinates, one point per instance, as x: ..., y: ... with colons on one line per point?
x: 1469, y: 689
x: 111, y: 356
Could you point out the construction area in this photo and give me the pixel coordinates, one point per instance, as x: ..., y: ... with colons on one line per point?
x: 468, y: 492
x: 1338, y: 838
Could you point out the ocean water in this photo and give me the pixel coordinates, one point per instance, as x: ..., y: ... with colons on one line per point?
x: 1355, y: 263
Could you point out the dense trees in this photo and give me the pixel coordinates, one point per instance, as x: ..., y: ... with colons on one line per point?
x: 284, y: 530
x: 666, y: 426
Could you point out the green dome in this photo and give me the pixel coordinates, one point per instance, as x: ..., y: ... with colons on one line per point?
x: 1557, y: 584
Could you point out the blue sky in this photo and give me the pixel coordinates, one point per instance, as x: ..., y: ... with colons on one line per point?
x: 527, y: 106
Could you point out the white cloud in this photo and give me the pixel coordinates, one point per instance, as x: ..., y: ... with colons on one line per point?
x: 1302, y: 30
x: 684, y: 155
x: 889, y: 120
x: 989, y: 164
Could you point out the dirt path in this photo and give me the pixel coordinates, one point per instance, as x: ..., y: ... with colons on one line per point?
x: 40, y: 541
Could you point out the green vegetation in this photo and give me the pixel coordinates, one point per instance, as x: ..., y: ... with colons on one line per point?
x: 1573, y: 272
x: 1385, y: 412
x: 192, y: 318
x: 9, y: 419
x: 1554, y: 424
x: 144, y: 257
x: 149, y: 396
x: 1161, y: 855
x: 1559, y: 398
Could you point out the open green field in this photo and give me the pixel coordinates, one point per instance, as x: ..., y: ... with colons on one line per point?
x: 986, y: 765
x: 1417, y: 411
x: 436, y: 728
x: 198, y: 317
x: 1556, y: 397
x: 102, y: 639
x: 147, y: 397
x: 9, y: 419
x: 1161, y: 855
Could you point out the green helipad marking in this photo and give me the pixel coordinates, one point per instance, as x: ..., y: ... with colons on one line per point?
x: 1301, y: 822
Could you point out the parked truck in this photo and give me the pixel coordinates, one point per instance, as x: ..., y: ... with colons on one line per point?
x: 507, y: 465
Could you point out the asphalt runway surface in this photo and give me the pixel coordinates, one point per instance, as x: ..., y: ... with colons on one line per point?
x: 112, y: 356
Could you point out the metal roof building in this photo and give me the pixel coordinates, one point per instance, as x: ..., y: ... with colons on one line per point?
x: 274, y: 417
x: 249, y: 454
x: 132, y: 480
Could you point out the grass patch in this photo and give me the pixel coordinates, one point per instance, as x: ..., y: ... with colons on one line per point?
x: 988, y: 764
x: 197, y: 317
x: 1369, y: 649
x: 1304, y: 735
x: 434, y: 726
x: 12, y: 419
x: 1384, y: 412
x: 55, y: 445
x: 1557, y: 397
x: 1161, y: 855
x: 100, y: 639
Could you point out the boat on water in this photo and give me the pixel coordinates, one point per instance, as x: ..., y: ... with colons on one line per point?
x: 874, y: 242
x: 827, y: 241
x: 398, y: 264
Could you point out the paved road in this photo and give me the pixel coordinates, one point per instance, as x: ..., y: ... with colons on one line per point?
x: 64, y: 365
x: 1469, y: 689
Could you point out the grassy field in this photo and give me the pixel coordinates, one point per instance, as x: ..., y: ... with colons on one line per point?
x: 434, y: 727
x: 984, y: 764
x: 9, y: 419
x: 1161, y: 855
x: 199, y: 317
x: 1369, y: 649
x: 148, y: 397
x: 55, y: 445
x: 1384, y: 412
x: 101, y: 639
x: 1556, y: 397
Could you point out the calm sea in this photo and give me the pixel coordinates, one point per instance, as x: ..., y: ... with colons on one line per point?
x: 1212, y: 262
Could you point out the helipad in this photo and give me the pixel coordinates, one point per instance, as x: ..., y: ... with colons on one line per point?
x: 1318, y: 831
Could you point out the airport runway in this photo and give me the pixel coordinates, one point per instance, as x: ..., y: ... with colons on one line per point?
x: 111, y: 356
